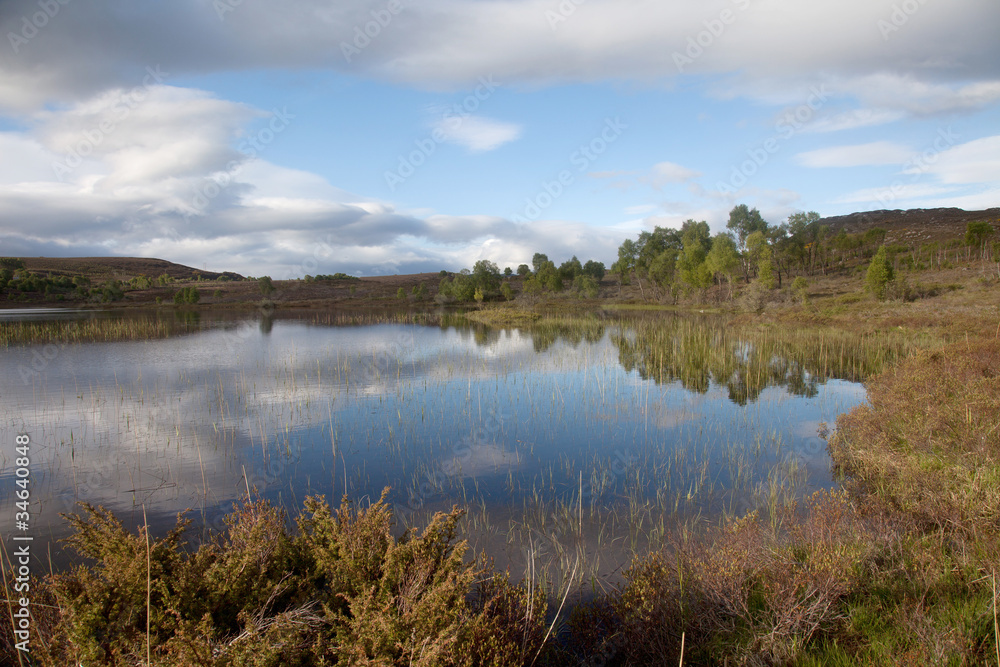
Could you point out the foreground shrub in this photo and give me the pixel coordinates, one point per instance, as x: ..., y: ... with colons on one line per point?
x: 340, y: 590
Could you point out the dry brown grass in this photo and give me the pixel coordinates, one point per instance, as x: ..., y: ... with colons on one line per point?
x: 929, y: 440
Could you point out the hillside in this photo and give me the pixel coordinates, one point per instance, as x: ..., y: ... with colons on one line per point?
x: 913, y: 226
x: 99, y: 269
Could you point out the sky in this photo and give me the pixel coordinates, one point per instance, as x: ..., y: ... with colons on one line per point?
x: 395, y: 136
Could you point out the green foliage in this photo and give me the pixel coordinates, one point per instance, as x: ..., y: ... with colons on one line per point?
x: 594, y: 269
x: 506, y: 291
x: 523, y: 269
x: 507, y: 272
x: 745, y: 221
x: 662, y: 270
x: 109, y: 291
x: 697, y: 241
x: 478, y: 295
x: 880, y: 274
x: 570, y: 269
x: 187, y: 295
x: 12, y: 263
x: 723, y: 258
x: 140, y: 282
x: 585, y: 285
x: 400, y: 293
x: 266, y: 285
x: 164, y: 279
x: 977, y: 232
x: 874, y: 236
x: 549, y: 277
x: 800, y: 286
x: 335, y: 276
x: 486, y: 277
x: 533, y: 286
x: 419, y: 291
x: 537, y: 260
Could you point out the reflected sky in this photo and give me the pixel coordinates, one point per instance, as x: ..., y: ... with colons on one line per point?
x: 516, y: 425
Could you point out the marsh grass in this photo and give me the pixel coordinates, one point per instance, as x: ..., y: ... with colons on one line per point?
x: 929, y: 441
x: 107, y: 330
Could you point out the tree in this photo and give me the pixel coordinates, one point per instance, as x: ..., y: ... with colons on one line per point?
x: 570, y: 269
x: 723, y: 259
x: 628, y: 252
x: 537, y: 260
x: 187, y: 295
x: 761, y: 256
x: 506, y: 291
x: 585, y: 285
x: 594, y: 269
x: 801, y: 234
x: 744, y: 221
x: 266, y: 285
x: 486, y: 276
x: 879, y: 274
x: 977, y: 232
x: 507, y: 272
x: 523, y: 269
x: 663, y: 269
x: 697, y: 241
x: 549, y: 277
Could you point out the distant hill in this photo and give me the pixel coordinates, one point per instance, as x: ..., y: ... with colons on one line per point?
x: 120, y: 268
x: 916, y: 225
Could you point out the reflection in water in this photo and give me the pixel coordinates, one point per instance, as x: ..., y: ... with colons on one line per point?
x: 579, y: 436
x: 700, y: 352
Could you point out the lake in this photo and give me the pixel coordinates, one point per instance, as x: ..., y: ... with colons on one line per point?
x: 572, y: 444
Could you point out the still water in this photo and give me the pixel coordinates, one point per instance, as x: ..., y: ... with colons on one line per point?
x: 574, y: 442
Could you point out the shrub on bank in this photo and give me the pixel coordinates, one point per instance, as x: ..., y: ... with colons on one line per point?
x: 339, y: 590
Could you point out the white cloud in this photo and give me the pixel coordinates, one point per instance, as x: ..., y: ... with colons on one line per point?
x: 874, y: 153
x: 767, y: 48
x: 976, y: 161
x: 851, y: 120
x: 910, y: 94
x: 893, y: 195
x: 664, y: 173
x: 477, y: 133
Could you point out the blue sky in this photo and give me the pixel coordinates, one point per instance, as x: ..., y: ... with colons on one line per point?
x: 280, y: 138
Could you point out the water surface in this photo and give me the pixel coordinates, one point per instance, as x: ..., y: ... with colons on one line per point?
x: 570, y: 443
